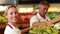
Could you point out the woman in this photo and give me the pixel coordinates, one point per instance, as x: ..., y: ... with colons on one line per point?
x: 11, y: 28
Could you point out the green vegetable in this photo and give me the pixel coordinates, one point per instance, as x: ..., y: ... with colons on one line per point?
x: 37, y: 30
x: 49, y: 31
x: 52, y: 15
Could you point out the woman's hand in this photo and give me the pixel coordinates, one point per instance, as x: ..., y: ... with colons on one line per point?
x: 35, y: 24
x: 41, y: 24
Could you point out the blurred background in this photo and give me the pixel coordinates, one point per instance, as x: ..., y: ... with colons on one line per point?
x: 26, y: 9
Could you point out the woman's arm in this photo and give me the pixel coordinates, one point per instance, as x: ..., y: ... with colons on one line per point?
x: 49, y: 23
x: 25, y: 30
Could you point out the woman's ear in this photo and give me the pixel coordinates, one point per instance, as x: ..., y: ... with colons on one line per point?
x: 6, y: 16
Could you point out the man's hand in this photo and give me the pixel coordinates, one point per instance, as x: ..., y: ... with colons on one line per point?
x: 57, y: 17
x: 55, y: 20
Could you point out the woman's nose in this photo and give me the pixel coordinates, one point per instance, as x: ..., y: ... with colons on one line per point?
x: 14, y: 15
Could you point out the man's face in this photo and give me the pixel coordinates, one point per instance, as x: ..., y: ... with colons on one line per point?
x: 43, y: 9
x: 12, y: 14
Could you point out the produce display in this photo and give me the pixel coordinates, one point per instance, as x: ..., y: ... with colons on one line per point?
x: 26, y: 18
x: 3, y: 19
x: 44, y: 30
x: 37, y: 30
x: 52, y: 15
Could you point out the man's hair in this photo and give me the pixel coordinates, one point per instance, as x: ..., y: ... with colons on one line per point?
x: 44, y: 3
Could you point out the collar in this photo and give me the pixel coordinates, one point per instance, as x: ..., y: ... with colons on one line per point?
x: 41, y: 18
x: 10, y: 25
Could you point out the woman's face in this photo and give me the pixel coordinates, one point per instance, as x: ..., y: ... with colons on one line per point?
x: 12, y: 14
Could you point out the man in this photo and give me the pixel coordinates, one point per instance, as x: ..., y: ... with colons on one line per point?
x: 41, y: 17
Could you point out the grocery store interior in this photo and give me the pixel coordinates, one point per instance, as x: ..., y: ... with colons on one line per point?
x: 26, y: 9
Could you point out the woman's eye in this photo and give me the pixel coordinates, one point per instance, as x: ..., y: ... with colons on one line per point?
x: 11, y: 13
x: 44, y: 8
x: 15, y: 12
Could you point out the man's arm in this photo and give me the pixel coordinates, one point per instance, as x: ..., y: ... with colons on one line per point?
x: 57, y: 19
x: 34, y: 19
